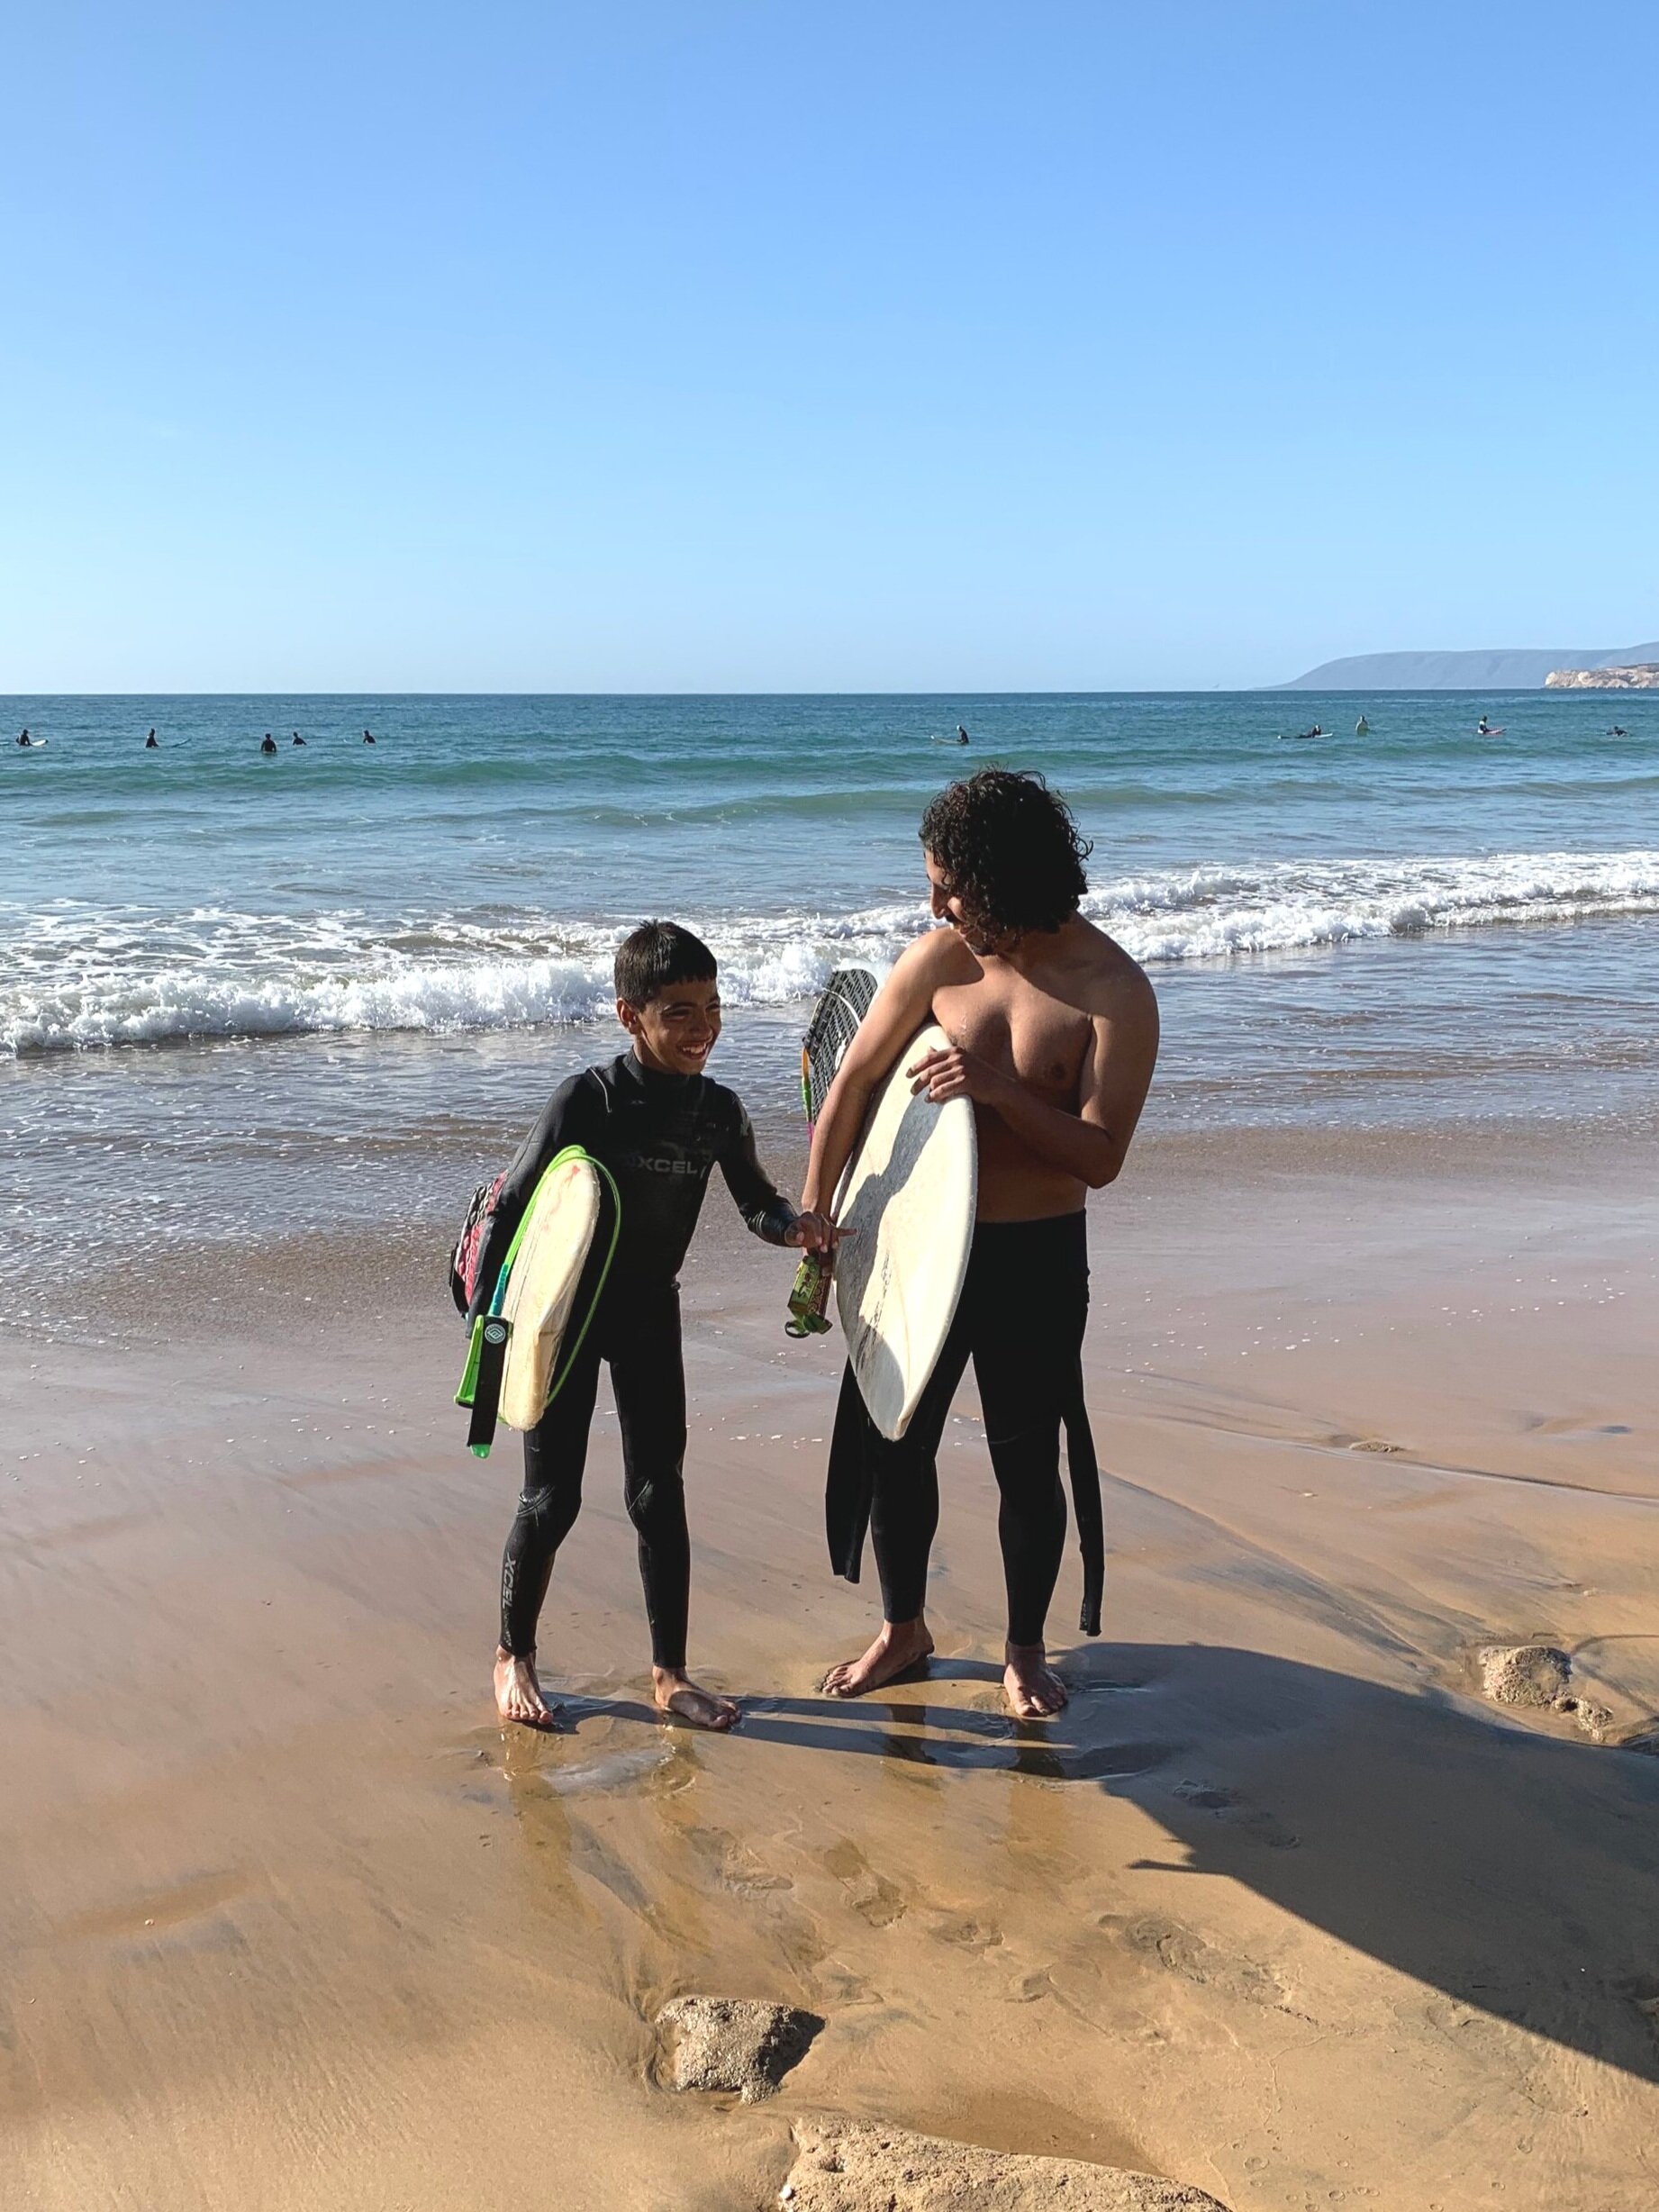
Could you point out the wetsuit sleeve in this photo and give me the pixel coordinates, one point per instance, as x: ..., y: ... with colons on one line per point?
x: 764, y: 1209
x: 569, y: 1118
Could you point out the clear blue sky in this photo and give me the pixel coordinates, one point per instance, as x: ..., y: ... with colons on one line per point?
x: 719, y: 345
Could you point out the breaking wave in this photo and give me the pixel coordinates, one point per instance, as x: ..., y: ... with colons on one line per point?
x: 84, y: 976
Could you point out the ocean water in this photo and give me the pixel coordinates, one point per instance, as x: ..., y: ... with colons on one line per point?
x: 244, y: 994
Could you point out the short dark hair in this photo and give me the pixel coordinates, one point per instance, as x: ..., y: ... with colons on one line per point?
x: 1008, y: 851
x: 657, y: 954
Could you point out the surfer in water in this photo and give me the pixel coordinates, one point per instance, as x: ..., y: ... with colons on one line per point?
x: 1054, y: 1034
x: 367, y: 737
x: 268, y: 744
x: 654, y: 1118
x: 151, y: 744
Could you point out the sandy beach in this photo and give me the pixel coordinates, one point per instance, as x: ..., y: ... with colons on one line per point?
x: 1280, y: 1907
x: 1122, y: 526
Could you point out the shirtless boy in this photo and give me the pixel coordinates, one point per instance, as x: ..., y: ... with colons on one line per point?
x: 661, y: 1126
x: 1053, y: 1035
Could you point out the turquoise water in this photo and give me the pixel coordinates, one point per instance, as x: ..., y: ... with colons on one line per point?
x: 373, y: 959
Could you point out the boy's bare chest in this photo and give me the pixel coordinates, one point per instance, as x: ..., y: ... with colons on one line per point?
x: 1020, y: 1029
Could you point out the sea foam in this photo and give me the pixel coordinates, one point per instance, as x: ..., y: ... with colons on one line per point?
x: 80, y: 976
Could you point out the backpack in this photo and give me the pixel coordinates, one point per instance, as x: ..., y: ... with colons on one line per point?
x: 469, y: 1244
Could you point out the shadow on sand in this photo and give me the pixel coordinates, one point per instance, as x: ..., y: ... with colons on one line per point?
x: 1515, y: 1872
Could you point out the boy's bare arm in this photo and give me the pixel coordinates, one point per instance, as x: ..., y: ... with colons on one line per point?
x: 1091, y: 1142
x: 900, y: 1007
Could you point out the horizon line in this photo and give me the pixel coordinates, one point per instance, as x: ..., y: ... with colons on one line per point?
x: 1126, y: 690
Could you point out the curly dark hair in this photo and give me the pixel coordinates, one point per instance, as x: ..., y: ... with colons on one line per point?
x: 1009, y: 852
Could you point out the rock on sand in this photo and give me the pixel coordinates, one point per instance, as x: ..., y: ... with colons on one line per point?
x: 734, y: 2043
x: 1524, y: 1673
x: 1538, y: 1674
x: 850, y: 2166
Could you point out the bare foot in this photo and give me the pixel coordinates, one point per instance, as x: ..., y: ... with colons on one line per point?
x: 899, y: 1645
x: 681, y: 1698
x: 1035, y: 1692
x: 518, y: 1693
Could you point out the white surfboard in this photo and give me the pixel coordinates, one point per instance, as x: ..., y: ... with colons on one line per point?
x: 542, y: 1283
x: 907, y: 1203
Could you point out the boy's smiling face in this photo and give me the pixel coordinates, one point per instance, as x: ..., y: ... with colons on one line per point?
x: 675, y: 1033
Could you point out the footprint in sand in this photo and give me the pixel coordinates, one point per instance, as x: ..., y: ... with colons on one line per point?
x: 1228, y: 1806
x: 1373, y: 1444
x: 874, y: 1898
x: 794, y: 1936
x: 962, y: 1930
x: 733, y: 1864
x: 1113, y: 1761
x: 1496, y: 2045
x: 836, y: 1983
x: 798, y: 1941
x: 612, y: 1770
x: 1187, y: 1954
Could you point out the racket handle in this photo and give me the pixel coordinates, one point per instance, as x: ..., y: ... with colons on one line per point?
x: 810, y: 1298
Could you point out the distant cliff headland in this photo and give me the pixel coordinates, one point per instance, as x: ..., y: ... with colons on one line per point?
x: 1520, y: 669
x: 1640, y: 675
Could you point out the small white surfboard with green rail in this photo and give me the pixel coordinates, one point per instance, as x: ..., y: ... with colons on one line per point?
x: 545, y: 1298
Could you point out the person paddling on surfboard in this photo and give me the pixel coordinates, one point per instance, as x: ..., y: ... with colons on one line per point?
x: 1055, y: 1034
x: 660, y: 1126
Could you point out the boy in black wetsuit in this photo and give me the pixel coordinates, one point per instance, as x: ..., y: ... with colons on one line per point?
x: 660, y: 1126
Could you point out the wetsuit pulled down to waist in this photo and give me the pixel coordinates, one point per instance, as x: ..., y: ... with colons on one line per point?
x: 1020, y: 1319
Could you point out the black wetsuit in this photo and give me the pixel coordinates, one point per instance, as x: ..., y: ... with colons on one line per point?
x: 1021, y: 1319
x: 661, y: 1137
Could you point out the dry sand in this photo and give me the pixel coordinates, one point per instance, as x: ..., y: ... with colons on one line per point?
x: 1280, y: 1908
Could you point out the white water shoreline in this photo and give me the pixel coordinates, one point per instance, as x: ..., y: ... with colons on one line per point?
x: 85, y: 975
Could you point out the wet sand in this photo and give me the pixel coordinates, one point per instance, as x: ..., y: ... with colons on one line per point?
x: 1280, y: 1906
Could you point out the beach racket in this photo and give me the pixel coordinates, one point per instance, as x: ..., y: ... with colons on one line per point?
x: 842, y: 1004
